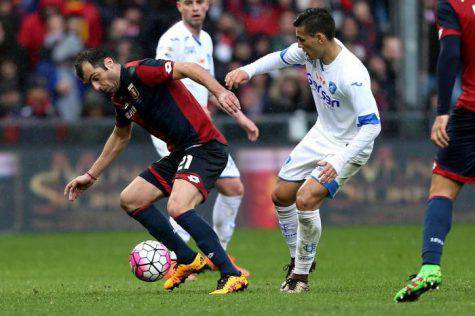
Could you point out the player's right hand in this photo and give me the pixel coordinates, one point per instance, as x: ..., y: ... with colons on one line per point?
x: 79, y: 184
x: 235, y: 78
x: 439, y: 134
x: 229, y: 102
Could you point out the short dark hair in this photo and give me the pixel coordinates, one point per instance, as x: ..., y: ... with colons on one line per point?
x: 316, y: 20
x: 94, y: 56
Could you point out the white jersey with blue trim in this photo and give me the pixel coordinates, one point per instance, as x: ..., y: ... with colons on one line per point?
x: 179, y: 44
x: 341, y: 92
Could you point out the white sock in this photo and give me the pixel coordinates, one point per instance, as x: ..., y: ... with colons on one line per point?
x: 288, y: 222
x: 308, y: 235
x: 180, y: 231
x: 224, y: 217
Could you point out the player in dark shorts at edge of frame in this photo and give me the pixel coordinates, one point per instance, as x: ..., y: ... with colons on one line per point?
x: 454, y: 134
x: 149, y: 93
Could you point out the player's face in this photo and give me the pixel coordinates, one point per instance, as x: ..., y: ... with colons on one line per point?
x: 193, y: 12
x: 312, y: 44
x: 103, y: 80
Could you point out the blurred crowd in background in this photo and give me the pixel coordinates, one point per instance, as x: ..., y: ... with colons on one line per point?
x: 39, y: 40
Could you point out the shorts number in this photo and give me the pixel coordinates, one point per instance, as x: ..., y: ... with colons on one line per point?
x: 185, y: 162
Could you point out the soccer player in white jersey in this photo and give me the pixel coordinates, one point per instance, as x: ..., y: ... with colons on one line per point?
x: 187, y: 42
x: 334, y: 149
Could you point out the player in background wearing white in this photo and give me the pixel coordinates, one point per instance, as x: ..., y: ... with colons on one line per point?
x: 186, y: 41
x: 334, y: 149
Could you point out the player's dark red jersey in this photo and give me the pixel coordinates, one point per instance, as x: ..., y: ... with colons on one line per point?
x: 149, y: 96
x: 457, y: 17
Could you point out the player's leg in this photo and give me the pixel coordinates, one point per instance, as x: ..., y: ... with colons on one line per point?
x: 297, y: 167
x: 438, y: 217
x: 196, y: 175
x: 226, y: 206
x: 309, y: 198
x: 284, y: 196
x: 230, y: 192
x: 137, y: 200
x: 162, y: 150
x: 184, y: 198
x: 454, y: 166
x: 437, y: 224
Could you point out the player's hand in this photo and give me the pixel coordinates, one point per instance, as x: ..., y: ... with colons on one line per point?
x: 236, y: 78
x: 251, y: 129
x: 438, y: 134
x: 229, y: 102
x: 328, y: 174
x: 78, y: 185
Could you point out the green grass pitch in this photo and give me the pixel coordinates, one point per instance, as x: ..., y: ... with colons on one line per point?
x: 359, y: 269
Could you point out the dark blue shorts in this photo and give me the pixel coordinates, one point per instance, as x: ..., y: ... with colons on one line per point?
x: 457, y: 161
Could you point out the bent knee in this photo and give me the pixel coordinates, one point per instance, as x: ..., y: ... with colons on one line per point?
x: 129, y: 203
x: 282, y: 198
x: 230, y: 187
x: 176, y: 207
x: 309, y: 201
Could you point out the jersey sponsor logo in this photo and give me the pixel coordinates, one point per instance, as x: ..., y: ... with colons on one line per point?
x: 134, y: 93
x: 321, y: 93
x: 332, y: 87
x: 358, y: 84
x: 130, y: 111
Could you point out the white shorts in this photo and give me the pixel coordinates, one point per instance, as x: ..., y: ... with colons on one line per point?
x: 231, y: 170
x: 302, y: 162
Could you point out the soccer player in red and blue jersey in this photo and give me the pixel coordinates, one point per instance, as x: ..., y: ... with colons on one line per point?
x: 453, y: 133
x: 148, y: 93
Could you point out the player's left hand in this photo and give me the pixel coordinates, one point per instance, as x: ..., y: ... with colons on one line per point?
x: 439, y: 134
x: 251, y: 129
x: 328, y: 173
x: 229, y: 102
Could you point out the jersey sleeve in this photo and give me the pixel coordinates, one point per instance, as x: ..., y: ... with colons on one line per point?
x: 358, y: 92
x: 168, y: 48
x: 447, y: 19
x: 293, y: 55
x: 155, y: 72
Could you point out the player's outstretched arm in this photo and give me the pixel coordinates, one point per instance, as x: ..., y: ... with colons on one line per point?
x: 291, y: 56
x: 117, y: 141
x: 226, y: 99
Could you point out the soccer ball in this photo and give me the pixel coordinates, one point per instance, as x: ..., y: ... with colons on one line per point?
x: 150, y: 261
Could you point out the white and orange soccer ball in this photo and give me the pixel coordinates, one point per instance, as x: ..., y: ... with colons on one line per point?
x: 150, y: 261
